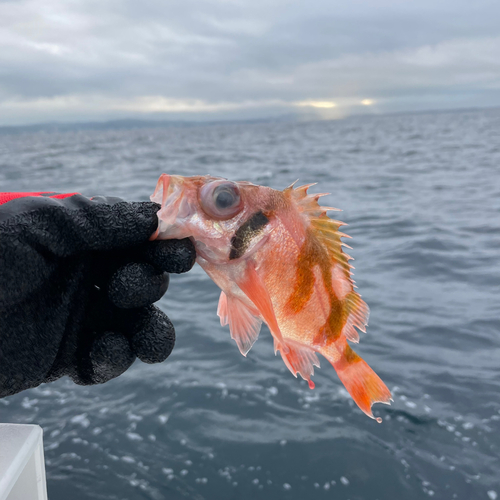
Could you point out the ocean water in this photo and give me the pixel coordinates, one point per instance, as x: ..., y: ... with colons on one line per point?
x: 421, y: 195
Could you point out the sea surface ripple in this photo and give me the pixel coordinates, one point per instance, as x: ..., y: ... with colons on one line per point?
x: 421, y: 195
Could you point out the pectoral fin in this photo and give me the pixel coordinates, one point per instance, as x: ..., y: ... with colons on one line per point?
x: 254, y: 288
x: 243, y: 324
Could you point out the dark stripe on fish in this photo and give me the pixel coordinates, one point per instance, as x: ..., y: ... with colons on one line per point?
x: 245, y: 233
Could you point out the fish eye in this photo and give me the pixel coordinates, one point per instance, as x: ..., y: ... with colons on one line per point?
x: 221, y: 199
x: 225, y: 196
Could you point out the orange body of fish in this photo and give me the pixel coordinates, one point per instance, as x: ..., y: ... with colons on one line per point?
x: 277, y: 258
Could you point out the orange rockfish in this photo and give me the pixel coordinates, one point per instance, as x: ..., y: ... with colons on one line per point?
x: 277, y: 257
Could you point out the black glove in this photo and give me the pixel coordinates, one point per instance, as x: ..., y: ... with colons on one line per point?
x: 77, y: 280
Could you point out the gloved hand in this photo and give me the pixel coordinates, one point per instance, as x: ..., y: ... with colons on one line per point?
x: 77, y: 281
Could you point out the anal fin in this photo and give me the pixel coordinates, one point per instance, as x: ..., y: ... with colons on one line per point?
x: 243, y: 324
x: 298, y: 359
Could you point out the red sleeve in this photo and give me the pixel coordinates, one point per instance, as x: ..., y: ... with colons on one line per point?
x: 5, y: 197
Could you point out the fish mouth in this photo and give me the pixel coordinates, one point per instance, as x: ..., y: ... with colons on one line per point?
x: 176, y: 210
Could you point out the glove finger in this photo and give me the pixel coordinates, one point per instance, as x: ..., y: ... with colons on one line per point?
x: 110, y: 224
x: 137, y: 285
x: 154, y: 342
x: 172, y: 256
x: 110, y: 356
x: 150, y: 331
x: 76, y: 224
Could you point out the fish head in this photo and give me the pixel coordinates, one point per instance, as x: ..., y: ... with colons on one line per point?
x: 212, y: 212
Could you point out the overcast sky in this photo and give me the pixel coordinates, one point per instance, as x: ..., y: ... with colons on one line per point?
x: 74, y: 60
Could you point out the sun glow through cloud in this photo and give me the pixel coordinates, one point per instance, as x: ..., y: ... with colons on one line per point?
x: 367, y: 102
x: 317, y: 104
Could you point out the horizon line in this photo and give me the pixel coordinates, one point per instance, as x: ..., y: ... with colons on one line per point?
x: 289, y: 117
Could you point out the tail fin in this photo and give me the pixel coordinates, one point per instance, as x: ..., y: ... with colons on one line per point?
x: 362, y: 383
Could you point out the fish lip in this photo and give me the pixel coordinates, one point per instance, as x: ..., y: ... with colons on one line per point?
x: 175, y: 209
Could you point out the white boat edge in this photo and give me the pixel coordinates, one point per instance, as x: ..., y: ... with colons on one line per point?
x: 22, y: 464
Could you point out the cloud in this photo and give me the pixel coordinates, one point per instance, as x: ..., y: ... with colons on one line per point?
x: 214, y: 58
x: 453, y: 64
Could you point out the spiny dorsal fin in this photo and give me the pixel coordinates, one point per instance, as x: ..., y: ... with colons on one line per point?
x: 325, y: 229
x: 309, y: 203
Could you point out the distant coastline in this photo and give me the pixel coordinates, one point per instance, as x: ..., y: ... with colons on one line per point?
x: 136, y: 123
x: 123, y: 124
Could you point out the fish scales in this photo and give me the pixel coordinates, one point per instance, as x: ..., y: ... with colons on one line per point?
x: 277, y: 258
